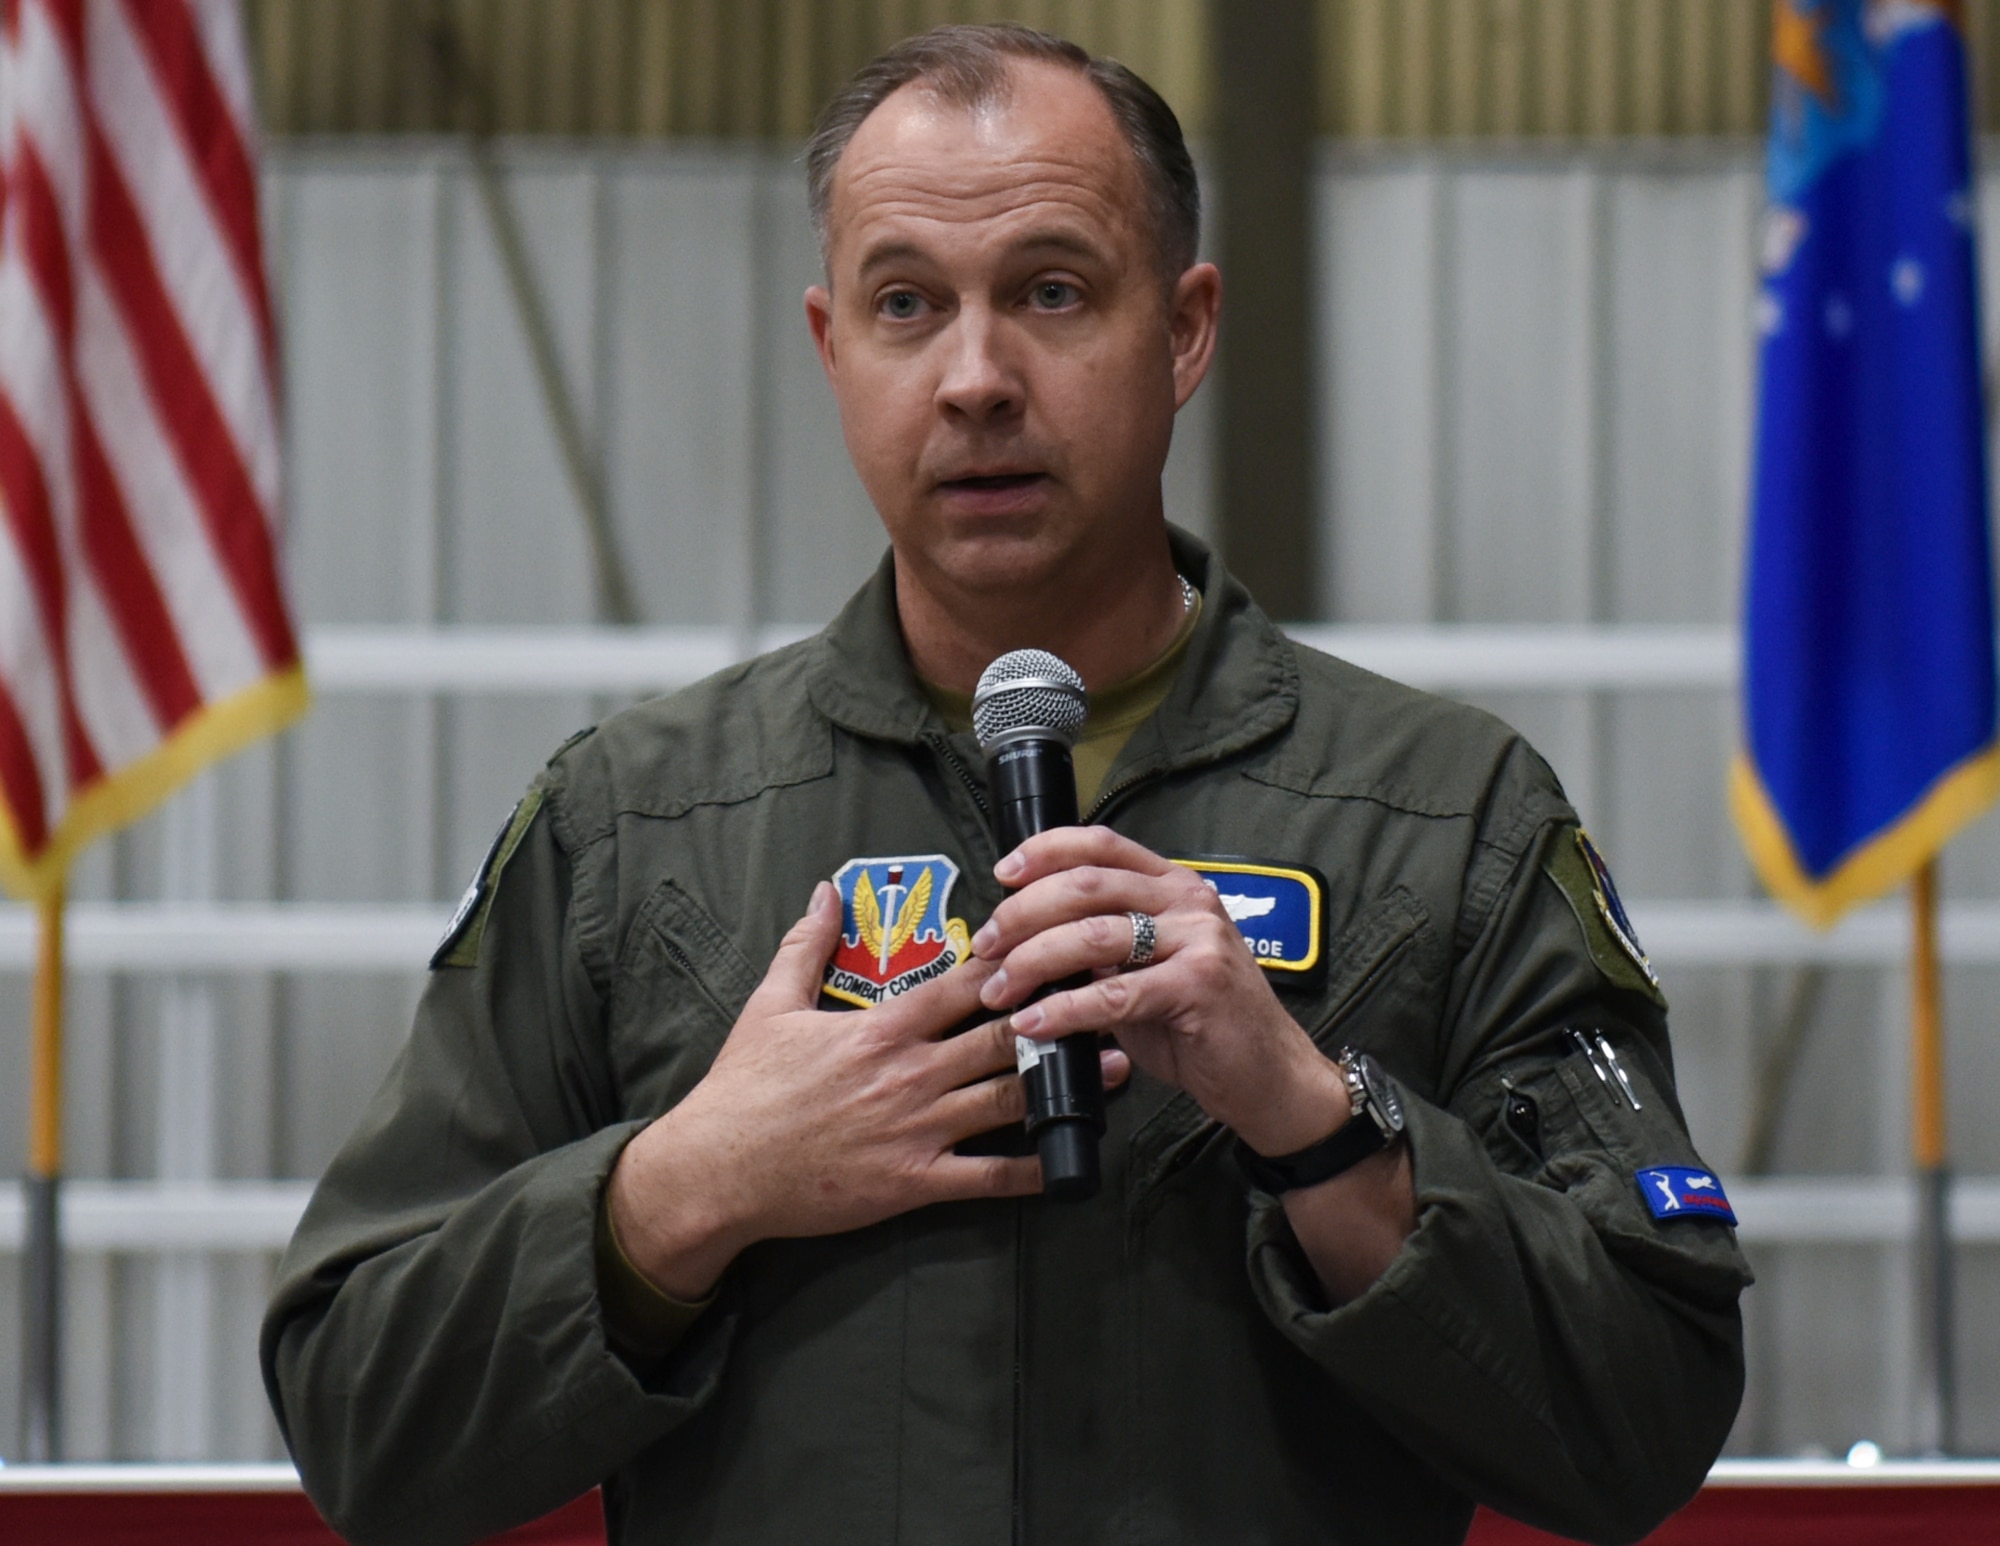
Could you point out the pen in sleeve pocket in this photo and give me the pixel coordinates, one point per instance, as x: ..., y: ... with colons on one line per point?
x: 1618, y: 1070
x: 1621, y: 1092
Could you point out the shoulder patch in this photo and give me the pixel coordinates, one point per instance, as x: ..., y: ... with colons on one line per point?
x: 1580, y: 873
x: 460, y: 945
x: 1683, y: 1192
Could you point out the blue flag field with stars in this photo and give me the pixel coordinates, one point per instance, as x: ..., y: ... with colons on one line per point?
x: 1868, y: 675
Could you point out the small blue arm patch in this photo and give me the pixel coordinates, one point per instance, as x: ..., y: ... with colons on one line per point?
x: 1681, y: 1192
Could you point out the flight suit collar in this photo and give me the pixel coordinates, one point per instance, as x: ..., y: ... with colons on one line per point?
x: 861, y: 677
x: 1238, y: 685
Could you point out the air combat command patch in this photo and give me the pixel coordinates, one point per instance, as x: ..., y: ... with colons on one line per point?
x: 894, y: 932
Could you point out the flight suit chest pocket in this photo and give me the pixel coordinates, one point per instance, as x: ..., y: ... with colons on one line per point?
x: 681, y: 983
x: 1369, y: 962
x: 1384, y: 962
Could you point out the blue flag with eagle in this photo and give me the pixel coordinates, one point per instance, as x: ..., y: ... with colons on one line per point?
x: 1868, y: 682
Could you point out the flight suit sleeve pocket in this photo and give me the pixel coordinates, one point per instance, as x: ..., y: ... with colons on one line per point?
x: 1598, y: 1150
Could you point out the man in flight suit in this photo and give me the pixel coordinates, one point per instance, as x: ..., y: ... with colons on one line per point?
x: 686, y: 1181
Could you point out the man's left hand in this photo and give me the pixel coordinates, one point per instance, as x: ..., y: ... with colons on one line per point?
x: 1199, y: 1015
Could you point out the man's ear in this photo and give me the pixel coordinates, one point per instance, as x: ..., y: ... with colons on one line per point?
x: 819, y: 318
x: 1194, y: 311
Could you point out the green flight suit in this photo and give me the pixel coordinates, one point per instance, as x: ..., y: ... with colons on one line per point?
x: 1155, y: 1366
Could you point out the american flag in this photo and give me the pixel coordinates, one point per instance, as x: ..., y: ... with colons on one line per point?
x: 143, y: 626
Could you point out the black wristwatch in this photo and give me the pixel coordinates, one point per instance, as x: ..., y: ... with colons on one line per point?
x: 1376, y: 1122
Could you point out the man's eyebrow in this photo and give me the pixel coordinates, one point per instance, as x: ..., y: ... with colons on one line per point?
x: 885, y: 253
x: 1046, y: 240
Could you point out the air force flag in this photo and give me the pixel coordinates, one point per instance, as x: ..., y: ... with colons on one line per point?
x: 1869, y: 691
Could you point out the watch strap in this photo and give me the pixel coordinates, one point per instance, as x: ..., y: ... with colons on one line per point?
x: 1342, y: 1149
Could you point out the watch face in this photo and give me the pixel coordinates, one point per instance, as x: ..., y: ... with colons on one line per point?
x: 1381, y: 1094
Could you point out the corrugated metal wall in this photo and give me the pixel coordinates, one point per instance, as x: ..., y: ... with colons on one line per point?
x: 1389, y: 68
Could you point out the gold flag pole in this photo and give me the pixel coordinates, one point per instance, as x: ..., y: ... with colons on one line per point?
x: 1937, y: 1429
x: 42, y: 1289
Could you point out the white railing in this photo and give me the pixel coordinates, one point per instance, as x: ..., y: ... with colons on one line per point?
x: 110, y: 1216
x: 167, y: 1215
x: 616, y: 660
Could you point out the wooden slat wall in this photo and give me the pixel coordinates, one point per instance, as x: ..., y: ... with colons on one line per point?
x: 1389, y: 69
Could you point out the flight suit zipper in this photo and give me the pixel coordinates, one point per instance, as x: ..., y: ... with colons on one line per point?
x: 974, y: 786
x: 1020, y: 1363
x: 977, y: 789
x: 1107, y: 797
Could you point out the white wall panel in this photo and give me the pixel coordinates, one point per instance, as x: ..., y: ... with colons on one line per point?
x: 1380, y: 238
x: 1680, y: 255
x: 514, y: 546
x: 1518, y: 313
x: 682, y: 352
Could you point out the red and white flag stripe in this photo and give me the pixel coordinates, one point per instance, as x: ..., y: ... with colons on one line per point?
x: 143, y: 625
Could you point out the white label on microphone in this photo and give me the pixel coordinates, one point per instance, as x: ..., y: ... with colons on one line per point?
x: 1027, y: 1053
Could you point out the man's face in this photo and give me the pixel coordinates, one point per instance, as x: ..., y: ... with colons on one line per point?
x: 1005, y: 353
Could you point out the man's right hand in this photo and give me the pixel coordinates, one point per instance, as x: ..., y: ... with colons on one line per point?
x: 812, y: 1122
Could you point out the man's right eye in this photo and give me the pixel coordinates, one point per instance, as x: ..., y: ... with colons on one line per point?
x: 901, y: 305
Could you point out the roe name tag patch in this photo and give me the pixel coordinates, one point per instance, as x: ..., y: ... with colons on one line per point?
x: 1280, y: 909
x: 1682, y: 1192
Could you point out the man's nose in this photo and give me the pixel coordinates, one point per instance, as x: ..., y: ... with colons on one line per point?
x: 979, y: 379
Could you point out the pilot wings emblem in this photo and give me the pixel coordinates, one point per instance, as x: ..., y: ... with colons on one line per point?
x: 868, y: 914
x: 1240, y: 907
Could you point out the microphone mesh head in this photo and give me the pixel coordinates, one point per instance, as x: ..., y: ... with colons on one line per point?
x: 1028, y: 689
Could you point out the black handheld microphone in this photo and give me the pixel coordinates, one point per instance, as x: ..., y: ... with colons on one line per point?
x: 1026, y: 713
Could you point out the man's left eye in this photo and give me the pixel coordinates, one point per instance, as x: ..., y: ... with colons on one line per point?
x: 1054, y: 294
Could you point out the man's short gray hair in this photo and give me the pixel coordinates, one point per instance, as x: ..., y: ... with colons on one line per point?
x: 969, y: 67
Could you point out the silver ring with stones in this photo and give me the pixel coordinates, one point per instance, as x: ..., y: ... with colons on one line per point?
x: 1145, y: 935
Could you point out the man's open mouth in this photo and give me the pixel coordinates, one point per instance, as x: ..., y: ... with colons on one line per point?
x: 995, y: 482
